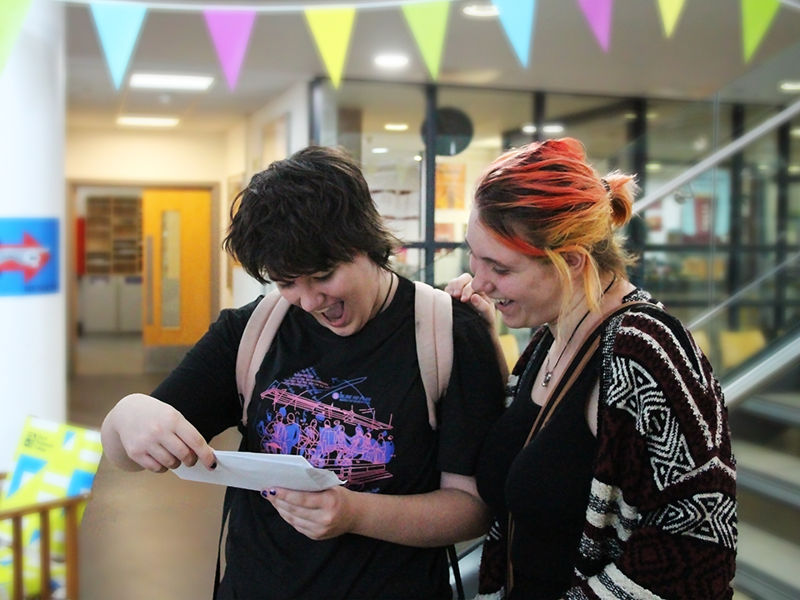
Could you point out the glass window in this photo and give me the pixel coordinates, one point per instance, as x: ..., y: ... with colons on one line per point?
x: 380, y: 125
x: 475, y: 127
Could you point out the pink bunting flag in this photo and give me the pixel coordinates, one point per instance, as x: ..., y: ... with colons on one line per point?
x: 598, y: 13
x: 230, y: 31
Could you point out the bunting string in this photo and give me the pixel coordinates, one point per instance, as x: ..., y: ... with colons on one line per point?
x: 119, y: 25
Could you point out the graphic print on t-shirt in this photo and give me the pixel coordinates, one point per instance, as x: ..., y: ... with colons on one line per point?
x: 305, y: 415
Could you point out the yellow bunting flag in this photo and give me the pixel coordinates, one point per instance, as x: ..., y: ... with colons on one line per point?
x: 428, y: 23
x: 757, y: 16
x: 670, y: 13
x: 331, y: 28
x: 12, y: 13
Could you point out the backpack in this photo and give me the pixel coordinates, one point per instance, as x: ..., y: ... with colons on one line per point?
x: 433, y: 328
x: 433, y: 320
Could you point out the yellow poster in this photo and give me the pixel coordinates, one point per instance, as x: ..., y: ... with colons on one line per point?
x: 451, y: 182
x: 52, y: 461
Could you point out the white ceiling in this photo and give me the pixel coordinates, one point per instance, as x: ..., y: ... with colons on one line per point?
x: 703, y: 55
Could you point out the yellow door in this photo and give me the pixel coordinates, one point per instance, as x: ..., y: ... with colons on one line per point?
x: 177, y: 266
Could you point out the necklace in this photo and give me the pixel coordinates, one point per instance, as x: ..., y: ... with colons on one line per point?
x: 548, y: 372
x: 388, y: 292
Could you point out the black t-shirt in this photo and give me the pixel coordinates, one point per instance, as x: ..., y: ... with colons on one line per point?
x: 544, y: 485
x: 355, y: 405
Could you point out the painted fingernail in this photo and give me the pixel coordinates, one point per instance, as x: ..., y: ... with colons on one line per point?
x: 273, y: 492
x: 213, y: 465
x: 264, y: 494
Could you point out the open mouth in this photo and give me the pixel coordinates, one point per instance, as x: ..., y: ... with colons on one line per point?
x: 334, y: 313
x: 501, y: 302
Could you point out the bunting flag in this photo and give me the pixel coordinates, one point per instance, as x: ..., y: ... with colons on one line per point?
x: 331, y: 28
x: 118, y: 26
x: 517, y: 18
x: 757, y: 16
x: 598, y: 13
x: 12, y: 14
x: 230, y: 31
x: 428, y: 23
x: 670, y: 13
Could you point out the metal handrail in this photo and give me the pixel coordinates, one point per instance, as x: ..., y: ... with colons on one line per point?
x: 717, y: 157
x: 761, y: 373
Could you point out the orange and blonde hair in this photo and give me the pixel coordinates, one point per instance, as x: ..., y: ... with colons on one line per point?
x: 544, y: 200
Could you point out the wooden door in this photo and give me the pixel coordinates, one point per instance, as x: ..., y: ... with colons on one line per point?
x: 177, y: 266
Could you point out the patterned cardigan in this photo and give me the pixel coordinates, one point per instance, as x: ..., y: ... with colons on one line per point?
x: 661, y: 519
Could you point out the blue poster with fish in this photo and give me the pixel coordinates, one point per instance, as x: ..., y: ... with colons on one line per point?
x: 29, y: 252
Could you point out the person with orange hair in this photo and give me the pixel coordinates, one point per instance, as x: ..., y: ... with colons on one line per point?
x: 610, y: 473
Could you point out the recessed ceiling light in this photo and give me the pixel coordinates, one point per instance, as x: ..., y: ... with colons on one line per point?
x: 795, y: 132
x: 529, y: 128
x: 790, y: 86
x: 553, y: 128
x: 380, y: 150
x: 651, y: 115
x: 155, y: 81
x: 481, y: 10
x: 391, y: 61
x: 396, y: 126
x: 131, y: 121
x: 794, y: 168
x: 418, y: 158
x: 653, y: 166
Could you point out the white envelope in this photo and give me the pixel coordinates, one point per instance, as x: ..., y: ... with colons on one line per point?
x: 257, y: 471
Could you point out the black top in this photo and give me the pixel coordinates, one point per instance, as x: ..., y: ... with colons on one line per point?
x: 355, y: 405
x: 545, y: 485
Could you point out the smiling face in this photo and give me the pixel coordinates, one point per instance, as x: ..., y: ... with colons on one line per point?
x: 342, y: 299
x: 526, y: 290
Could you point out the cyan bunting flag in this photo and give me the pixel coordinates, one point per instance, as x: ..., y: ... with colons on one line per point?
x: 757, y: 16
x: 517, y: 18
x: 428, y: 23
x: 118, y: 26
x: 230, y: 31
x: 598, y: 13
x: 331, y: 28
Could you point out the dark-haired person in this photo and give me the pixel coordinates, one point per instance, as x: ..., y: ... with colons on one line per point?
x: 625, y: 488
x: 347, y: 344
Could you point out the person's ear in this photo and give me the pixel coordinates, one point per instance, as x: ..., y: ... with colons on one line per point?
x: 576, y: 262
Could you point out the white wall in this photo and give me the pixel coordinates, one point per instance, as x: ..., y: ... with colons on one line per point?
x: 143, y: 156
x: 292, y: 105
x: 33, y: 367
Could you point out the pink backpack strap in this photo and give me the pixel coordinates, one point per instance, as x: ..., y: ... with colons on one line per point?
x: 254, y: 345
x: 433, y: 315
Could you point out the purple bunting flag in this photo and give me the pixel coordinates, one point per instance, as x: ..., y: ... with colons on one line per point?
x: 598, y: 13
x: 230, y: 31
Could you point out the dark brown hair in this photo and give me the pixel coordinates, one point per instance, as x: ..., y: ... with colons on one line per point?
x: 304, y: 215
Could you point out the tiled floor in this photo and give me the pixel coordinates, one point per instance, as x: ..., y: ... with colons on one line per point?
x: 143, y: 536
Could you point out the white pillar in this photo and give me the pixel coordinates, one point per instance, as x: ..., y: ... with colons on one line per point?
x: 33, y: 367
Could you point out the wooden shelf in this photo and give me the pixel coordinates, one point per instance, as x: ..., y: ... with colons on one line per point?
x: 113, y: 236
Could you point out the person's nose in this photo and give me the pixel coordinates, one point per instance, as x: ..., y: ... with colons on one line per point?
x: 310, y: 298
x: 481, y: 283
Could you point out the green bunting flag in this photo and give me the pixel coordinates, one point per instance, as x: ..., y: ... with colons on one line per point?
x: 428, y: 23
x: 12, y: 13
x: 757, y: 16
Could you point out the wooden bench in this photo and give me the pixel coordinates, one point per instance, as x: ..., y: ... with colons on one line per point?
x: 70, y: 506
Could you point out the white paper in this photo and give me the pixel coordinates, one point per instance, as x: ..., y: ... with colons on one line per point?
x: 257, y: 471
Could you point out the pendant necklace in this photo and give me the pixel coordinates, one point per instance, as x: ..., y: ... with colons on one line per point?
x: 548, y: 372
